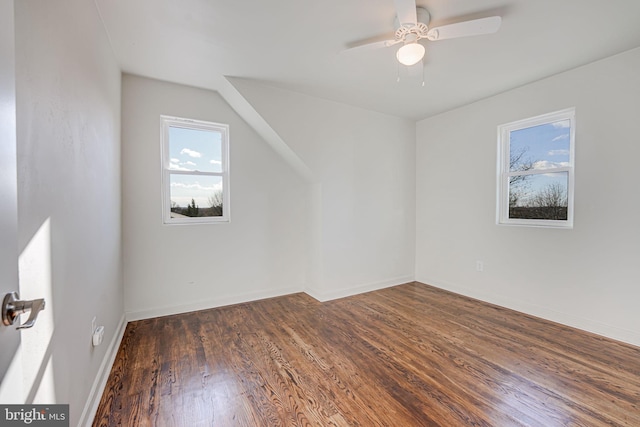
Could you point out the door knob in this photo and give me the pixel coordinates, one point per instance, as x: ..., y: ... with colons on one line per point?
x: 12, y: 307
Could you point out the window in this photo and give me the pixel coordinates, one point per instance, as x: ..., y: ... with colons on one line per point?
x: 535, y: 170
x: 195, y: 171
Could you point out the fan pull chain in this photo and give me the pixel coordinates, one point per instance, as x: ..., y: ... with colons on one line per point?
x: 398, y: 71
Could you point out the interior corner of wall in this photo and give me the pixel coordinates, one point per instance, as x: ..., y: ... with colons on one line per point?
x: 313, y: 291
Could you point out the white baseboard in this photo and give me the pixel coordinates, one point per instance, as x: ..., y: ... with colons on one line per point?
x: 211, y: 303
x: 323, y: 296
x: 588, y: 325
x: 254, y: 296
x: 97, y: 389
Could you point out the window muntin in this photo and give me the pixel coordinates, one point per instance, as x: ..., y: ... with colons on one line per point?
x: 535, y: 170
x: 195, y: 170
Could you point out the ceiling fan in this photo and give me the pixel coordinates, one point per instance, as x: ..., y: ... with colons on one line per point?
x: 412, y: 27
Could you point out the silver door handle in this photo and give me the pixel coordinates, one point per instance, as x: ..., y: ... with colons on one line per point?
x: 12, y: 307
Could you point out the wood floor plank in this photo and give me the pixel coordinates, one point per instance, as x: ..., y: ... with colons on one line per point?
x: 411, y: 355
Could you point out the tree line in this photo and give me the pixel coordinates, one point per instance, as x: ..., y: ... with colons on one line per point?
x: 550, y: 202
x: 192, y: 209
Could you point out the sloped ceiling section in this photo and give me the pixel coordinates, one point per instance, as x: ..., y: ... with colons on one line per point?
x: 231, y: 93
x: 297, y: 45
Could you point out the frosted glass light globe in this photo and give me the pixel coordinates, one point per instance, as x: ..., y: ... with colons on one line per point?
x: 410, y: 53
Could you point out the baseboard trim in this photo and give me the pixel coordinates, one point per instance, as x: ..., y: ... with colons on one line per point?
x: 100, y: 382
x: 587, y: 325
x: 207, y: 304
x: 321, y: 296
x: 360, y: 289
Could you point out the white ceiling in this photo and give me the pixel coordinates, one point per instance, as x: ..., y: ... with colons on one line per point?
x: 296, y: 44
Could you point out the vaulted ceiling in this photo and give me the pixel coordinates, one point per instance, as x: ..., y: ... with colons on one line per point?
x: 297, y: 45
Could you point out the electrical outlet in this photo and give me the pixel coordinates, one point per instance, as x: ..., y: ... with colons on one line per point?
x: 97, y: 332
x: 98, y: 336
x: 479, y: 266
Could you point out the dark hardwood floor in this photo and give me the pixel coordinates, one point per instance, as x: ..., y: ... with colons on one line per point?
x: 410, y: 355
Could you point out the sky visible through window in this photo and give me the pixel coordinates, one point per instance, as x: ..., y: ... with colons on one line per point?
x: 194, y: 150
x: 542, y: 147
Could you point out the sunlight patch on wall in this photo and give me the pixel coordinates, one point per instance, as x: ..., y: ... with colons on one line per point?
x: 34, y: 266
x: 30, y: 375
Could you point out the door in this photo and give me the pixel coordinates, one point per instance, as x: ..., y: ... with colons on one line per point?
x: 9, y: 337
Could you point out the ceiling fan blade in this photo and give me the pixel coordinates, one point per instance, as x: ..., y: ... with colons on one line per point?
x: 475, y: 27
x: 371, y: 46
x: 406, y: 11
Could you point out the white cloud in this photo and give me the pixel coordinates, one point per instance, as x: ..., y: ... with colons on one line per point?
x: 190, y: 153
x: 175, y: 160
x: 215, y: 162
x: 196, y: 186
x: 546, y: 164
x: 558, y: 153
x: 561, y: 137
x: 189, y: 163
x: 183, y: 192
x: 563, y: 124
x: 175, y: 167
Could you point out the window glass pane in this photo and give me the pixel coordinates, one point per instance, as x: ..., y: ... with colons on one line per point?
x: 539, y: 196
x: 195, y: 150
x: 544, y: 146
x: 195, y: 195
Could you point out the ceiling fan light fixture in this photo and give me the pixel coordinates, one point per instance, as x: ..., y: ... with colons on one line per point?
x: 410, y: 54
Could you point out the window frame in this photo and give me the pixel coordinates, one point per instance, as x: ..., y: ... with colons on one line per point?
x: 167, y: 122
x: 504, y: 172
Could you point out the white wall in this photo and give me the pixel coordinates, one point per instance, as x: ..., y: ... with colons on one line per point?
x: 262, y: 252
x: 586, y: 277
x: 362, y: 164
x: 68, y: 130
